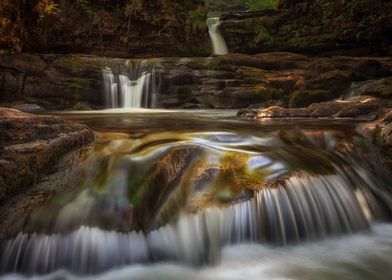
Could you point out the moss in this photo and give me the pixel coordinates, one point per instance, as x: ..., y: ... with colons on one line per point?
x: 386, y: 81
x: 267, y: 92
x: 386, y: 93
x: 307, y: 97
x: 252, y: 71
x: 184, y: 90
x: 79, y: 83
x: 317, y: 25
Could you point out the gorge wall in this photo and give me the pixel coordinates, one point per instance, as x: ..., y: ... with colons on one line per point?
x: 229, y: 81
x: 146, y: 28
x: 323, y: 27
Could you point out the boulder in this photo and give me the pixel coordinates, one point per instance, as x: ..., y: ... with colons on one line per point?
x: 366, y: 108
x: 31, y: 145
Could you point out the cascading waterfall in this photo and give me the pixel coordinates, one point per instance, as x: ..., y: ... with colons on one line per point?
x: 218, y: 42
x: 187, y: 197
x: 301, y: 208
x: 134, y: 84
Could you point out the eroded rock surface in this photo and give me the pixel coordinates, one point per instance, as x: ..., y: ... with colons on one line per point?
x: 31, y: 145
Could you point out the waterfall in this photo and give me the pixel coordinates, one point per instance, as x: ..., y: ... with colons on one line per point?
x: 133, y: 84
x: 302, y: 207
x: 358, y: 88
x: 218, y: 42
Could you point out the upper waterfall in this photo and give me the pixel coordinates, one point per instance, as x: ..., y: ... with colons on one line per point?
x: 133, y: 84
x: 218, y: 42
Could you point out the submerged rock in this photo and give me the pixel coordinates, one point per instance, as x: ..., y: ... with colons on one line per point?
x: 31, y: 145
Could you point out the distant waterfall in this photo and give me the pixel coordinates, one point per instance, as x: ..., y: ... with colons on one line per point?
x: 301, y: 208
x: 358, y: 88
x: 133, y: 84
x: 218, y: 42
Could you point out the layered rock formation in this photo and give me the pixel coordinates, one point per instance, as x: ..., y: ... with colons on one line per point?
x: 230, y: 81
x: 366, y: 108
x: 31, y: 146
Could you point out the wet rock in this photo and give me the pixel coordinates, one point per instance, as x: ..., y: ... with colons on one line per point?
x: 380, y: 130
x: 380, y: 88
x: 82, y: 106
x: 300, y: 98
x: 31, y: 145
x: 229, y: 81
x: 16, y: 211
x: 58, y: 83
x: 157, y: 195
x: 365, y: 108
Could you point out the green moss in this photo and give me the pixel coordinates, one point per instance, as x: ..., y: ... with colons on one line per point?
x: 252, y: 71
x: 386, y: 81
x: 386, y: 93
x: 268, y: 93
x: 307, y: 97
x: 79, y: 83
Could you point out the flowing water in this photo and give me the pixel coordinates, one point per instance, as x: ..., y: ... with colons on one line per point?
x: 202, y: 195
x: 131, y: 84
x: 358, y: 88
x: 218, y: 42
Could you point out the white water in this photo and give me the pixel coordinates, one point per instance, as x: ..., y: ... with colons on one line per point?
x: 361, y: 256
x: 218, y: 42
x: 302, y: 208
x: 135, y: 84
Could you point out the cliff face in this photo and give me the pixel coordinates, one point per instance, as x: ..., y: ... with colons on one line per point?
x: 112, y: 28
x: 154, y: 28
x: 322, y: 27
x: 229, y: 81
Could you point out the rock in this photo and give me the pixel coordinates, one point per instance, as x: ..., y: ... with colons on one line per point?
x: 27, y: 107
x: 380, y: 130
x: 31, y: 145
x: 306, y: 97
x: 312, y: 27
x: 82, y: 106
x: 366, y: 108
x: 380, y: 88
x: 229, y: 81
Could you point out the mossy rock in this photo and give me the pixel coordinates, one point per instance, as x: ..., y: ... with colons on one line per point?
x: 268, y: 92
x: 251, y: 71
x: 307, y: 97
x: 386, y: 81
x: 386, y: 92
x: 184, y: 90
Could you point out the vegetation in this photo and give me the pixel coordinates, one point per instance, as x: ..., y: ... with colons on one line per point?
x: 235, y: 5
x: 58, y: 25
